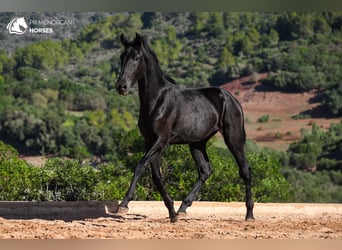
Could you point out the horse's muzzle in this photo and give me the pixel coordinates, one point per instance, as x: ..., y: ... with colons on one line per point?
x: 122, y: 89
x: 123, y: 85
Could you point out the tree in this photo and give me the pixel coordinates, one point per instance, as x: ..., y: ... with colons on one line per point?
x: 333, y: 98
x: 272, y: 38
x: 320, y: 24
x: 45, y: 54
x: 6, y: 63
x: 254, y: 37
x: 226, y: 59
x: 215, y: 24
x: 291, y: 26
x: 200, y: 20
x: 315, y: 146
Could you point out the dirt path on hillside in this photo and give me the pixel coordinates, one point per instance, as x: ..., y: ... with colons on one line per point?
x: 205, y: 220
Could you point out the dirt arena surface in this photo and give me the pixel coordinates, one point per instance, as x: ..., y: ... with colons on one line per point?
x: 204, y: 220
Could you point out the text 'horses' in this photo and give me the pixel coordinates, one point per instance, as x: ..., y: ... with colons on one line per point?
x: 173, y: 115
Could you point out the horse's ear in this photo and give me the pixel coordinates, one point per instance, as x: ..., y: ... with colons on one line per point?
x: 123, y: 40
x: 139, y: 40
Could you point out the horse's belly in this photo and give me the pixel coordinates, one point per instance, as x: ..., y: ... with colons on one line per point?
x: 195, y: 126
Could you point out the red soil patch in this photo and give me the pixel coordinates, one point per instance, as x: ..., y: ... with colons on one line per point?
x: 281, y: 129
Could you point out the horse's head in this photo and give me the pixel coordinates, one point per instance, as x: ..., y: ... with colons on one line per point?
x: 17, y: 26
x: 132, y: 63
x: 21, y: 22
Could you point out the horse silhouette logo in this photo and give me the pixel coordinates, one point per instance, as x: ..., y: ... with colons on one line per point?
x: 17, y: 26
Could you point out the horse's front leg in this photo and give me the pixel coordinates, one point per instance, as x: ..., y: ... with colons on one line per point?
x: 157, y: 179
x: 139, y: 171
x: 156, y: 149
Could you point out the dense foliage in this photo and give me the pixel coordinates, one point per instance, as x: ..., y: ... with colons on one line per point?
x: 56, y: 99
x: 70, y: 180
x: 318, y: 149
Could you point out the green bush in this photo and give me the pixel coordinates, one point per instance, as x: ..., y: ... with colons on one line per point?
x: 321, y: 186
x: 180, y: 173
x: 113, y: 182
x: 17, y: 178
x: 67, y: 180
x: 263, y: 119
x: 317, y: 149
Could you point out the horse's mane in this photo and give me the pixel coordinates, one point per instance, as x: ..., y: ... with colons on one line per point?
x: 155, y: 58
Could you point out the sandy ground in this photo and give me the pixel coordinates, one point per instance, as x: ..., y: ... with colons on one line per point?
x: 204, y: 220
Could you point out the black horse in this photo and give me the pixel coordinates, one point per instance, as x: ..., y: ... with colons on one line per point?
x: 173, y: 115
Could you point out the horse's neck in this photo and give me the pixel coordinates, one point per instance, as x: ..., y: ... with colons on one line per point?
x: 147, y: 97
x: 150, y: 87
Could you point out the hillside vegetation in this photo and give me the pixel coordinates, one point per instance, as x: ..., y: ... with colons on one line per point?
x: 56, y: 94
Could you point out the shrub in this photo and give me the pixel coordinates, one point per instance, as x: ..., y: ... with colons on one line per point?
x: 67, y: 180
x: 16, y: 176
x: 225, y: 184
x: 278, y: 135
x: 263, y: 119
x: 321, y: 186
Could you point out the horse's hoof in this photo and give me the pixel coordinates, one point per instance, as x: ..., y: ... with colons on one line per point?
x: 174, y: 219
x: 178, y: 216
x: 249, y: 219
x: 181, y: 214
x: 122, y: 210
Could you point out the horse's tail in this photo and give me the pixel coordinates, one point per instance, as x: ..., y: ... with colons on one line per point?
x: 232, y: 119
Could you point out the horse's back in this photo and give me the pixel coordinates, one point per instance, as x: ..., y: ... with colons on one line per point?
x: 229, y: 110
x: 222, y: 100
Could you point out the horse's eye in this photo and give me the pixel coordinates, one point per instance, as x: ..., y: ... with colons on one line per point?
x: 137, y: 58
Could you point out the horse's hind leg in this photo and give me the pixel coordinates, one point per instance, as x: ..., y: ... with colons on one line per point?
x: 199, y: 154
x: 235, y: 142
